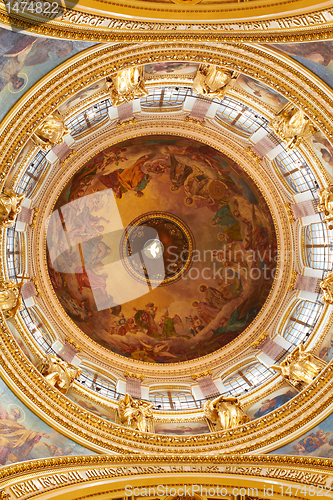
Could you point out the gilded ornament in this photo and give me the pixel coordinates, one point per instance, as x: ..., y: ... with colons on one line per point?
x: 206, y: 373
x: 293, y: 276
x: 58, y: 372
x: 135, y: 413
x: 300, y: 367
x: 128, y: 374
x: 126, y: 85
x: 50, y: 132
x: 326, y: 204
x: 4, y: 495
x: 253, y: 155
x: 212, y: 82
x: 10, y: 206
x: 292, y: 126
x: 289, y: 211
x: 260, y: 340
x: 225, y: 412
x: 10, y: 299
x: 327, y: 287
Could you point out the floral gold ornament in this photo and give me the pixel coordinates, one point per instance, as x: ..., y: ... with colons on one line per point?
x: 327, y: 287
x: 325, y: 204
x: 300, y: 367
x: 135, y: 413
x: 50, y: 132
x: 292, y: 126
x: 225, y: 412
x: 10, y: 207
x: 211, y: 81
x: 126, y: 85
x: 58, y: 372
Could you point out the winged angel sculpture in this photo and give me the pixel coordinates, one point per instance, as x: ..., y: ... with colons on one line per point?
x: 134, y: 413
x: 225, y: 412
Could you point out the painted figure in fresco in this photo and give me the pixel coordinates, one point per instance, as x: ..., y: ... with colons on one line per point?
x: 197, y: 184
x: 230, y: 225
x: 12, y: 61
x: 10, y: 206
x: 319, y: 52
x: 225, y: 412
x: 271, y: 404
x: 131, y: 178
x: 179, y: 172
x: 94, y: 251
x: 261, y: 91
x: 327, y: 151
x: 86, y: 224
x: 314, y: 440
x: 215, y: 297
x: 145, y: 318
x: 16, y: 441
x: 206, y: 311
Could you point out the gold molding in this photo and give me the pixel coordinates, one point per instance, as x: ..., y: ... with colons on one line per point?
x: 78, y: 22
x: 206, y: 373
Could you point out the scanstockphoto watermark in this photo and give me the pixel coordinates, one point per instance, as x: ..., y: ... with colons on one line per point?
x: 189, y: 490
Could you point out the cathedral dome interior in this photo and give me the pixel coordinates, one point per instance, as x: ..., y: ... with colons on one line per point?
x: 166, y: 217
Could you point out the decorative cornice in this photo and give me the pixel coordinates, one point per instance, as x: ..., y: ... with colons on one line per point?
x: 206, y: 373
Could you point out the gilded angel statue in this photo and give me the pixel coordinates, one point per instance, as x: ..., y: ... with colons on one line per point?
x: 126, y: 85
x: 58, y: 372
x: 326, y: 204
x: 225, y: 412
x: 10, y: 298
x: 327, y: 287
x: 299, y: 367
x: 211, y: 81
x: 10, y: 206
x: 291, y: 126
x: 50, y: 132
x: 134, y: 413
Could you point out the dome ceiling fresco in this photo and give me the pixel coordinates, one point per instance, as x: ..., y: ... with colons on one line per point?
x: 161, y: 249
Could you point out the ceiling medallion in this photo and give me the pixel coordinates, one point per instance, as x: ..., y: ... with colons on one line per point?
x: 149, y: 238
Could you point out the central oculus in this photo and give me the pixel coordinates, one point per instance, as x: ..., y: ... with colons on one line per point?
x: 157, y: 247
x: 153, y: 249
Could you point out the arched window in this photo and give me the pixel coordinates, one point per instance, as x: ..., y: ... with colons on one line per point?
x: 239, y: 116
x: 173, y: 400
x: 302, y: 321
x: 247, y: 378
x: 88, y: 118
x: 159, y: 97
x: 318, y: 246
x: 34, y: 173
x: 295, y: 171
x: 94, y: 382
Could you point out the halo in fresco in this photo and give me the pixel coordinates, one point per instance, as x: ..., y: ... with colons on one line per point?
x: 231, y: 268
